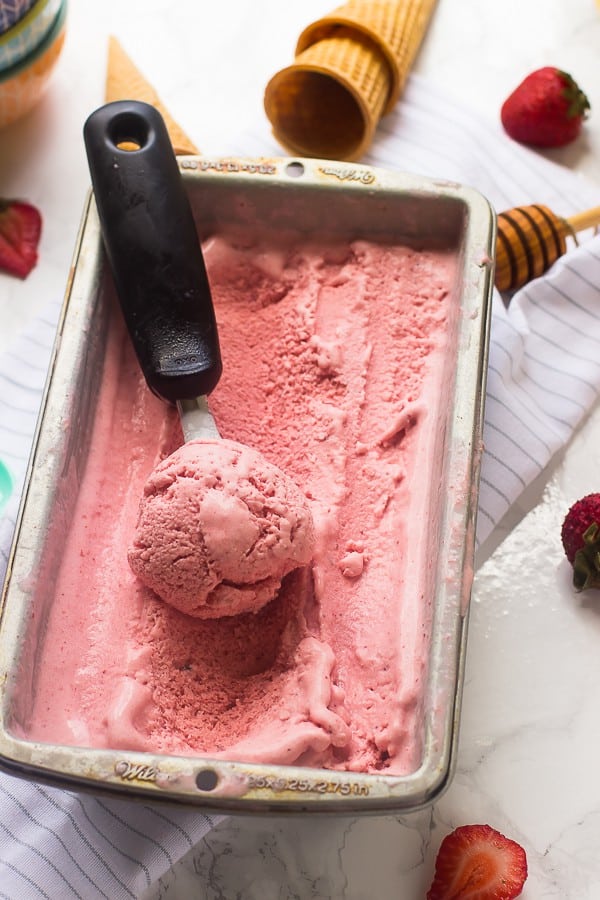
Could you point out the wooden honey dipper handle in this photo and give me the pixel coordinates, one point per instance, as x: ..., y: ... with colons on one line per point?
x: 590, y: 218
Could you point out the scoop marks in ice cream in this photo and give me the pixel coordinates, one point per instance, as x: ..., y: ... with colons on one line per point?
x: 337, y: 366
x: 219, y: 528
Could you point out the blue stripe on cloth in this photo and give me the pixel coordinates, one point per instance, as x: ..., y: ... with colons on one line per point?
x: 57, y: 843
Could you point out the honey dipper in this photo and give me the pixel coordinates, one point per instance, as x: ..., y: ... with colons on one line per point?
x: 531, y: 238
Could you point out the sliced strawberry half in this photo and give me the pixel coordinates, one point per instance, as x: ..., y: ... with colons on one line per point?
x: 476, y: 862
x: 20, y: 230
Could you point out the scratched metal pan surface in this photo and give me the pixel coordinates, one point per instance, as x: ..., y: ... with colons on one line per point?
x: 306, y: 197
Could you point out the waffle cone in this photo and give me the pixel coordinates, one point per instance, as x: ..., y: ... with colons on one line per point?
x: 530, y: 239
x: 396, y: 27
x: 328, y: 102
x: 124, y: 81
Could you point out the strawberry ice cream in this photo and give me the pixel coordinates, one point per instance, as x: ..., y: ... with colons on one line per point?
x: 219, y: 528
x: 337, y: 367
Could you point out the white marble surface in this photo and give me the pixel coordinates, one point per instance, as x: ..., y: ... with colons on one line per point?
x: 530, y: 732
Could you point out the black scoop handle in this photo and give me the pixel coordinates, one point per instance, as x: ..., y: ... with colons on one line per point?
x: 153, y: 249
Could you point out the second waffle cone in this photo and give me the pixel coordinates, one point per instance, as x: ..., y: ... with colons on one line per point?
x: 396, y: 27
x: 329, y: 101
x: 349, y: 70
x: 124, y: 81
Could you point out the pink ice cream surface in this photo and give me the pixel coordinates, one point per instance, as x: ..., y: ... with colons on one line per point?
x: 219, y: 527
x: 338, y: 364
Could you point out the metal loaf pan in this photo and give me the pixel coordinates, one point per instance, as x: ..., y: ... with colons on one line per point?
x: 307, y: 197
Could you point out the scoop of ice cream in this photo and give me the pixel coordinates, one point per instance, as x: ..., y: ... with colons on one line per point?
x: 218, y: 529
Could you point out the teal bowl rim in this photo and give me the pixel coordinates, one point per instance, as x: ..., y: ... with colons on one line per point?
x: 19, y: 41
x: 29, y: 4
x: 24, y: 23
x: 6, y: 485
x: 41, y: 48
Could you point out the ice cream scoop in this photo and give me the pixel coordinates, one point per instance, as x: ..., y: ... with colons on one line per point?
x: 219, y: 526
x: 154, y: 254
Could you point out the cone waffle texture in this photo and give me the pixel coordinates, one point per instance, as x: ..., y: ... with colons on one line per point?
x: 328, y: 102
x: 530, y: 239
x: 124, y: 81
x: 397, y: 27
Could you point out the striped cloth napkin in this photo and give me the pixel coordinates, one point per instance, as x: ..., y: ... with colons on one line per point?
x: 544, y: 376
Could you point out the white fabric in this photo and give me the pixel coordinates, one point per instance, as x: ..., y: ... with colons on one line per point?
x: 544, y: 375
x: 55, y: 844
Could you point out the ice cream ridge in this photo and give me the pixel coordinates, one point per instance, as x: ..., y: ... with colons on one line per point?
x: 263, y: 596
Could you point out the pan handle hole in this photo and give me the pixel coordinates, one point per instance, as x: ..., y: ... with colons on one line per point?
x: 206, y: 780
x: 294, y: 170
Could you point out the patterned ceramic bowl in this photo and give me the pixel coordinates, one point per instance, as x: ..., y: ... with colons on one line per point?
x: 12, y: 11
x: 24, y: 84
x: 28, y: 33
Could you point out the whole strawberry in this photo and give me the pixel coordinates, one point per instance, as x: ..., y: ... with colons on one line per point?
x: 545, y: 110
x: 476, y: 862
x: 580, y: 535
